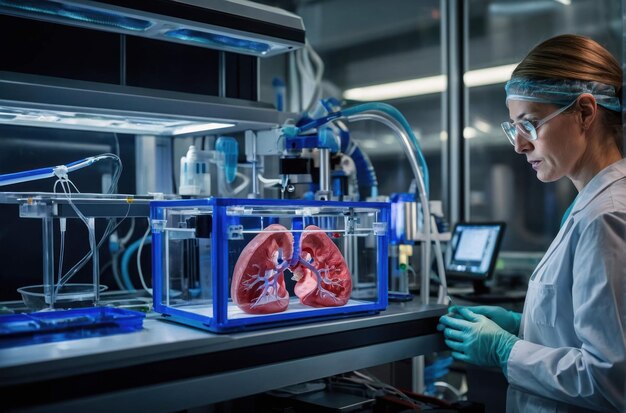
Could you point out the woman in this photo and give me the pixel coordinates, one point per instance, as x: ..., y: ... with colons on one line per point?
x: 567, y: 351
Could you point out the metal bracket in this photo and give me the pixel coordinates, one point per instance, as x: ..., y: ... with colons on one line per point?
x: 235, y: 232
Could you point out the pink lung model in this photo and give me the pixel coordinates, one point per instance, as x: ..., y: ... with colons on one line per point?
x: 258, y: 285
x: 323, y: 278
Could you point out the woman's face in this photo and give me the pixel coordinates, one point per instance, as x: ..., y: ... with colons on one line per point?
x: 560, y: 143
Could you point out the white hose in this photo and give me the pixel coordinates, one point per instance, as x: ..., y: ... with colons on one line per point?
x: 269, y: 181
x: 143, y: 241
x: 226, y: 189
x: 303, y: 62
x: 409, y: 150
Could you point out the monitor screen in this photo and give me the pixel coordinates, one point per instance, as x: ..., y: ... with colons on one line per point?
x: 473, y: 249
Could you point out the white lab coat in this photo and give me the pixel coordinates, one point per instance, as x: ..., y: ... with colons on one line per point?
x: 572, y: 352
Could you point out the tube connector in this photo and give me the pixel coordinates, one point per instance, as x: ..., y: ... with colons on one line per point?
x: 60, y: 171
x: 405, y: 254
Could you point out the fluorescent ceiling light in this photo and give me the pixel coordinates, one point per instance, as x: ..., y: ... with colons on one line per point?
x: 201, y: 127
x: 489, y: 76
x: 256, y: 30
x: 566, y: 2
x: 428, y: 85
x: 469, y: 132
x: 395, y: 90
x: 105, y: 122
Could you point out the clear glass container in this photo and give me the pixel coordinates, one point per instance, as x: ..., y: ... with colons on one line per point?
x: 230, y: 264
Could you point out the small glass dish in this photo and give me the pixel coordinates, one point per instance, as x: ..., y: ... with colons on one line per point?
x: 68, y: 296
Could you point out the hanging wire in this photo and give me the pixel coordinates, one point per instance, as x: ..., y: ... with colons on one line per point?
x: 143, y: 241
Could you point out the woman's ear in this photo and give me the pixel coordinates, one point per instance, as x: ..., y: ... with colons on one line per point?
x: 588, y: 110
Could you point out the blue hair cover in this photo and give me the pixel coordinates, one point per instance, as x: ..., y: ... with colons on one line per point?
x: 560, y: 91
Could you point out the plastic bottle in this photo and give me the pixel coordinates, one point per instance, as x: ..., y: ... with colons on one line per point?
x: 194, y: 173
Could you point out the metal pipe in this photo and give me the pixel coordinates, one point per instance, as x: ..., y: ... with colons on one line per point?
x: 325, y: 170
x: 458, y: 182
x: 255, y: 171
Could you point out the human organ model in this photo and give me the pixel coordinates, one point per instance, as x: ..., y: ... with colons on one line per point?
x: 321, y: 274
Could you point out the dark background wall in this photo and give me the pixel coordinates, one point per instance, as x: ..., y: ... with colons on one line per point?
x: 53, y: 50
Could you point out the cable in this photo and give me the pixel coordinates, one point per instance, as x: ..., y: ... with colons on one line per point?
x: 129, y: 234
x: 90, y: 223
x: 110, y: 228
x: 269, y: 181
x: 303, y: 62
x: 135, y: 246
x: 399, y: 126
x: 114, y: 258
x: 458, y: 393
x: 117, y: 144
x: 143, y: 240
x: 62, y: 229
x: 226, y: 189
x: 379, y: 385
x: 116, y: 270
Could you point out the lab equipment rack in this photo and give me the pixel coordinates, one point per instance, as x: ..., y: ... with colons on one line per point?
x: 168, y: 367
x: 50, y: 206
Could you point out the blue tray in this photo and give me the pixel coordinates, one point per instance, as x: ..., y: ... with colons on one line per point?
x: 44, y: 327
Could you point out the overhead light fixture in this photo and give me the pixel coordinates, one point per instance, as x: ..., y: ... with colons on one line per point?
x: 489, y: 76
x: 240, y: 27
x: 200, y: 127
x: 396, y: 90
x: 29, y: 100
x: 565, y: 2
x: 469, y: 132
x: 428, y: 85
x: 483, y: 126
x: 128, y: 123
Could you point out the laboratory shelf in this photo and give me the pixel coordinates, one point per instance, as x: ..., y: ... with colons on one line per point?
x: 168, y: 367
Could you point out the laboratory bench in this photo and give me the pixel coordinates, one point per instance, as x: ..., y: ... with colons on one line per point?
x: 167, y: 367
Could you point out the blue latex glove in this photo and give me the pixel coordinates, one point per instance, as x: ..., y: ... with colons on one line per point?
x: 476, y: 339
x: 508, y: 320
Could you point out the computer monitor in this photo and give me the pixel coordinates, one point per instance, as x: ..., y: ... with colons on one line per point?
x: 472, y: 252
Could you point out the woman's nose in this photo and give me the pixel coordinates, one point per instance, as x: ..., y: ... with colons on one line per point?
x: 522, y: 145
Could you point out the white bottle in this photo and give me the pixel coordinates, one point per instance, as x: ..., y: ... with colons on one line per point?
x: 194, y: 173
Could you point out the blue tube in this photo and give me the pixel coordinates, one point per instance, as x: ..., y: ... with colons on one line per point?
x: 365, y: 170
x: 41, y: 173
x: 395, y: 113
x: 73, y: 166
x: 374, y: 106
x: 316, y: 123
x: 24, y: 176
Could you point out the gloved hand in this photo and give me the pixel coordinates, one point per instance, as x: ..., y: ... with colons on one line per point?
x: 476, y: 339
x: 508, y: 320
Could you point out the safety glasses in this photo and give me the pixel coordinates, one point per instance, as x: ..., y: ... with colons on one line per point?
x: 528, y: 129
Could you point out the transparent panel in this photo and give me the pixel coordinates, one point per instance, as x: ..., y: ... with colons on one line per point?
x: 186, y: 270
x: 328, y: 258
x: 241, y: 263
x: 502, y: 185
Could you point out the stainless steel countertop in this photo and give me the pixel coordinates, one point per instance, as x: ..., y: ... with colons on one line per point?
x: 165, y: 358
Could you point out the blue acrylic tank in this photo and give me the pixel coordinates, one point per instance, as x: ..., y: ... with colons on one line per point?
x: 235, y: 264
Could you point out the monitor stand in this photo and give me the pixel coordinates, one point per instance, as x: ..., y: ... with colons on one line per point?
x: 484, y: 294
x: 480, y: 287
